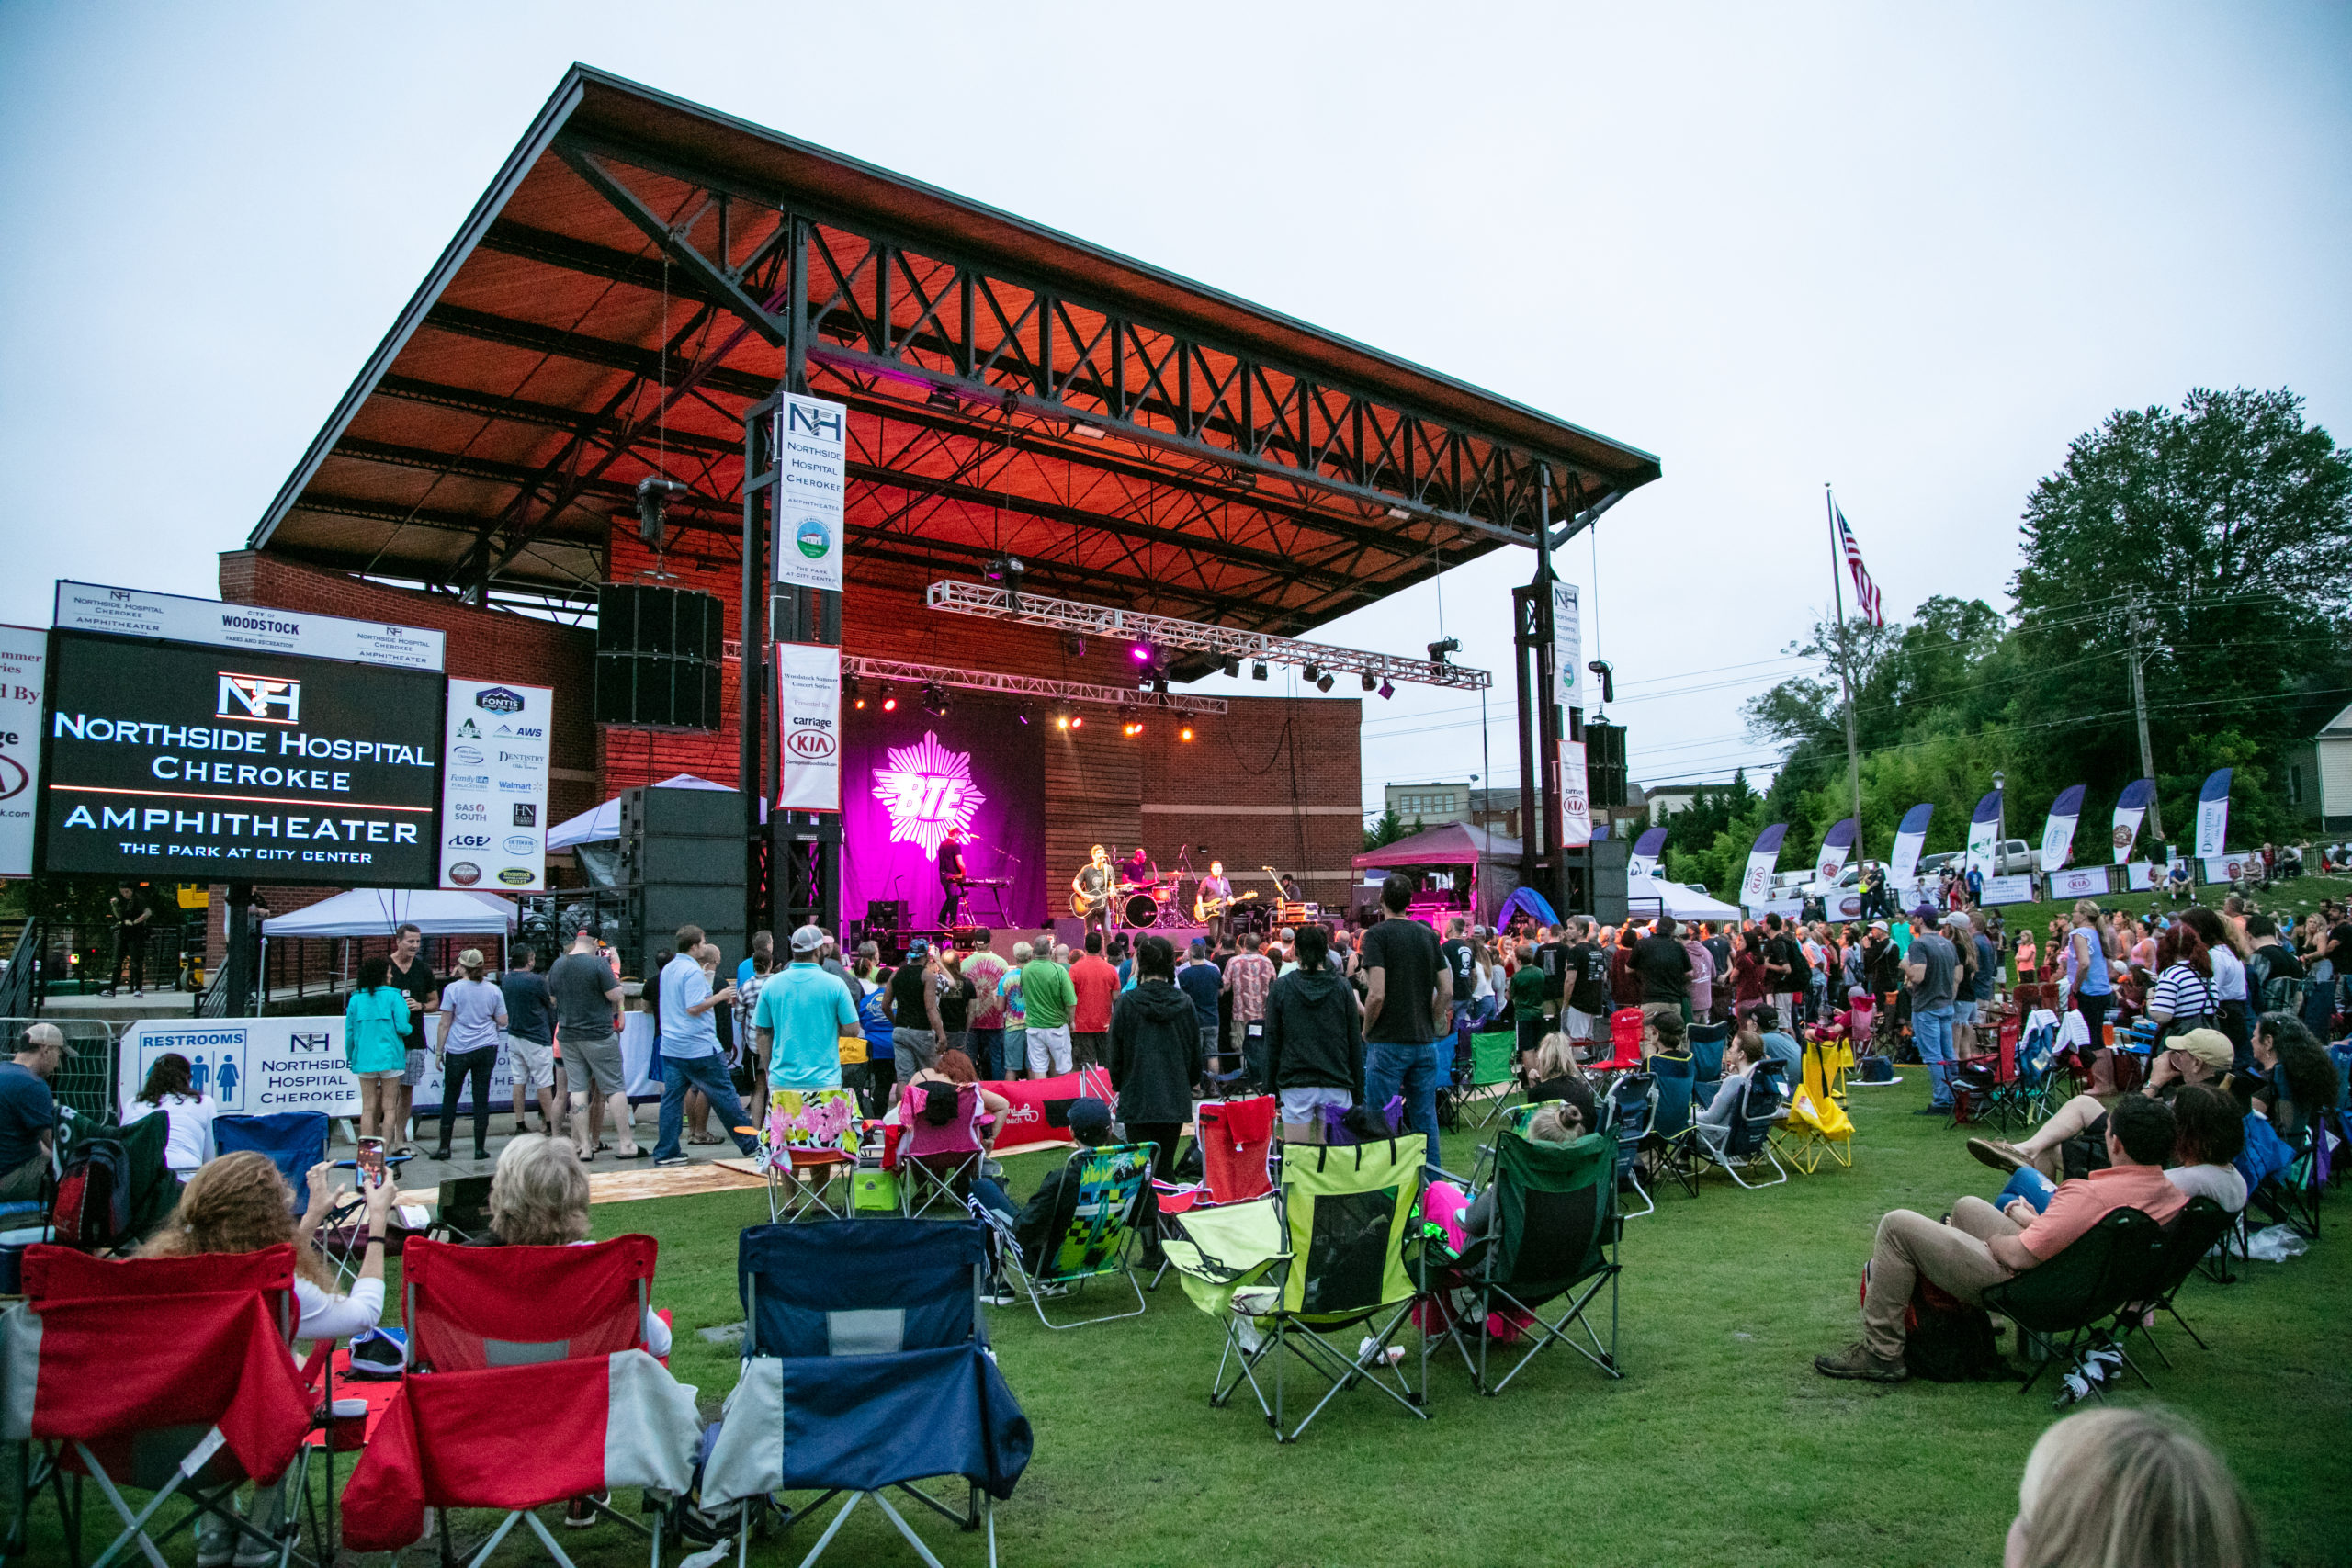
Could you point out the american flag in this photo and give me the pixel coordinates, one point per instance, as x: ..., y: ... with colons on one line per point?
x: 1865, y: 591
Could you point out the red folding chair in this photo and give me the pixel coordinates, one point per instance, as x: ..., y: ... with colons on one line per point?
x: 529, y: 1385
x: 937, y: 1164
x: 1625, y: 1042
x: 1237, y: 1143
x: 176, y: 1375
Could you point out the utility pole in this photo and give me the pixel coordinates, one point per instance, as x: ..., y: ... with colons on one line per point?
x: 2140, y: 711
x: 1846, y: 682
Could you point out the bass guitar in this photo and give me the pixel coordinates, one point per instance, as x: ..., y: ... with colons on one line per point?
x: 1210, y: 909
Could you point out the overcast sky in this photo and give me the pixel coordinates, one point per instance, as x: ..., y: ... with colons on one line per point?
x: 1911, y: 251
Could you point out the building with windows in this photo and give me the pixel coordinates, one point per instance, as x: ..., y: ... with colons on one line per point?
x: 1430, y: 804
x: 2317, y: 775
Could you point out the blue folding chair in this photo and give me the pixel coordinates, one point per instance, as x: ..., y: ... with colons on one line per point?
x: 866, y: 1370
x: 293, y: 1141
x: 1629, y: 1117
x: 1707, y: 1042
x: 1671, y: 1123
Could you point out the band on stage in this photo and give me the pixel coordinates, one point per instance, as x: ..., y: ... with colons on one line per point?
x: 1133, y: 893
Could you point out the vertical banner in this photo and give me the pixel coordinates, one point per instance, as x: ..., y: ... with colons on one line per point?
x: 1642, y: 862
x: 494, y: 785
x: 1835, y: 845
x: 2131, y: 809
x: 1567, y: 647
x: 2058, y: 833
x: 809, y: 727
x: 2213, y: 814
x: 1910, y: 834
x: 1984, y: 832
x: 812, y: 477
x: 24, y: 659
x: 1755, y: 887
x: 1576, y: 800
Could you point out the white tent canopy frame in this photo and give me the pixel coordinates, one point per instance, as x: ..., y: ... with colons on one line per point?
x: 380, y: 911
x: 604, y: 822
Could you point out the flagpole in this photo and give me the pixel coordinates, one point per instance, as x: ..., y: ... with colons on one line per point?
x: 1845, y: 678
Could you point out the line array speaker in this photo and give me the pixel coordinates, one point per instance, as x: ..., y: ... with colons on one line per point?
x: 658, y: 652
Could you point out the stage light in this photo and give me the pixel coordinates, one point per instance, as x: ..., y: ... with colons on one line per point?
x: 941, y: 398
x: 1078, y: 721
x: 889, y: 700
x: 1003, y: 566
x: 1233, y: 667
x: 1061, y: 721
x: 1185, y: 733
x: 1140, y: 652
x: 1400, y: 514
x: 1443, y: 646
x: 1324, y: 684
x: 1368, y: 683
x: 1132, y: 728
x: 1258, y: 670
x: 1074, y: 645
x: 934, y: 700
x: 1159, y: 685
x: 1387, y: 689
x: 1090, y: 432
x: 1312, y: 671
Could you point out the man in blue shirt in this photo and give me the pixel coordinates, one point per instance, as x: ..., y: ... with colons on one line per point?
x: 690, y: 1056
x: 1202, y: 982
x: 801, y: 1017
x: 28, y: 1111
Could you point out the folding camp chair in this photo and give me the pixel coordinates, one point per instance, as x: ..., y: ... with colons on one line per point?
x: 937, y: 1161
x: 1331, y: 1261
x: 1707, y: 1042
x: 1555, y: 1229
x: 1671, y: 1129
x: 1452, y: 1085
x: 1235, y: 1138
x: 523, y: 1350
x: 2078, y: 1292
x: 294, y: 1141
x: 808, y: 1132
x: 1747, y: 1142
x: 1818, y: 1127
x: 461, y: 1212
x: 1626, y: 1044
x: 209, y: 1397
x: 1093, y: 1242
x: 866, y: 1370
x: 2194, y: 1232
x: 1630, y: 1119
x: 1494, y: 1060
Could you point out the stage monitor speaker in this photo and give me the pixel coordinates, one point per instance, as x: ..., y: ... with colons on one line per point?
x: 1604, y: 763
x: 885, y: 914
x: 681, y: 862
x: 658, y: 657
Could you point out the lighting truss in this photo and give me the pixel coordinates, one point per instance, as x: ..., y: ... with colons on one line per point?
x: 1195, y: 637
x: 891, y: 670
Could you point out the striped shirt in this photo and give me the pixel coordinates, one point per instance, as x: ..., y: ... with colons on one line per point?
x: 2181, y: 992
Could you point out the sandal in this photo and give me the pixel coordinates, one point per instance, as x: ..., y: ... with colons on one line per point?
x: 706, y: 1139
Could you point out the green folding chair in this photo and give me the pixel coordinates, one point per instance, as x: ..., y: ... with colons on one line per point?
x: 1554, y: 1239
x: 1494, y: 1061
x: 1094, y: 1244
x: 1323, y: 1255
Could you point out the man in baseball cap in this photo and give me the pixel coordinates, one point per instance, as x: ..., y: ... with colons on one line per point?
x: 28, y: 1111
x: 799, y: 1021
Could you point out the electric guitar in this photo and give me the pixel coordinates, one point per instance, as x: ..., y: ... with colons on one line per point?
x: 1210, y: 909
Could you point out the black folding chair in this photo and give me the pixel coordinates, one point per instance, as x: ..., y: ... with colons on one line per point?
x: 2194, y: 1232
x: 2078, y: 1294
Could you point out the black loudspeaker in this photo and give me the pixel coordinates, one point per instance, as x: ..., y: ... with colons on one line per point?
x: 885, y: 914
x: 1604, y: 763
x: 658, y: 654
x: 682, y: 864
x: 1608, y: 892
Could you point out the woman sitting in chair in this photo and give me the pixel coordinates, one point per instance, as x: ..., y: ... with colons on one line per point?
x: 955, y: 1069
x: 1468, y: 1220
x: 539, y: 1197
x: 170, y: 1090
x: 2292, y: 1075
x: 1715, y: 1120
x: 1555, y: 1075
x: 239, y: 1204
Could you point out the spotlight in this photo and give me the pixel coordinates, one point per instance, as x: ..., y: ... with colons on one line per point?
x: 1233, y: 667
x: 1185, y: 733
x: 889, y: 700
x: 1159, y: 685
x: 934, y: 700
x: 1258, y: 670
x: 1061, y: 721
x: 1242, y: 478
x: 1022, y: 713
x: 1311, y: 673
x: 1078, y: 721
x: 1368, y: 683
x: 1073, y: 645
x: 941, y: 398
x: 1132, y: 728
x: 1140, y: 652
x: 854, y: 690
x: 1324, y: 684
x: 1387, y: 689
x: 1443, y: 646
x: 1400, y: 514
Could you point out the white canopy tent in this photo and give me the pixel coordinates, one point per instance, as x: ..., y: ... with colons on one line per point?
x: 379, y: 911
x: 605, y: 822
x: 1674, y: 898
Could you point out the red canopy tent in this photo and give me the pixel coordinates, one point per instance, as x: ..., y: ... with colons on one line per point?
x: 1493, y: 861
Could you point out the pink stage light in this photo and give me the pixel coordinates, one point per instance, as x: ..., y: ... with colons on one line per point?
x: 1140, y: 653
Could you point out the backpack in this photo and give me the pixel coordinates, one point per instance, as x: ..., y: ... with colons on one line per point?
x: 91, y: 1207
x: 1949, y: 1341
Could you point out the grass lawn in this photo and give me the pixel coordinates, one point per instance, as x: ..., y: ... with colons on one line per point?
x: 1721, y: 1444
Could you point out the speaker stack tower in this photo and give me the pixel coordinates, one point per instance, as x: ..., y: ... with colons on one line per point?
x: 658, y: 652
x: 682, y: 864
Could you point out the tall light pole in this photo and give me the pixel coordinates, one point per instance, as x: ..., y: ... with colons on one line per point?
x: 2000, y: 817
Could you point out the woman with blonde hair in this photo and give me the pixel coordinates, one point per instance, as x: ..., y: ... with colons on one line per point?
x: 2116, y: 1488
x: 239, y: 1204
x: 1555, y: 1075
x: 539, y: 1197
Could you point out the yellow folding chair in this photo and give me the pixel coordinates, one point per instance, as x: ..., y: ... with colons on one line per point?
x: 1818, y: 1127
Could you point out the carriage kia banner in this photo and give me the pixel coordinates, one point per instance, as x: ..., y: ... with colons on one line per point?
x: 24, y: 657
x: 1757, y: 886
x: 2131, y: 810
x: 1835, y: 845
x: 1903, y: 866
x: 496, y: 735
x: 809, y: 727
x: 1642, y: 862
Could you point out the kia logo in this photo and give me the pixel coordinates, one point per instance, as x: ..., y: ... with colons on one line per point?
x: 813, y: 744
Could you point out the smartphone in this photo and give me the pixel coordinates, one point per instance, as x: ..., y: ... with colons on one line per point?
x: 371, y: 1161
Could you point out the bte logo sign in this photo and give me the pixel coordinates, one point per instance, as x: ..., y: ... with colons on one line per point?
x: 267, y: 698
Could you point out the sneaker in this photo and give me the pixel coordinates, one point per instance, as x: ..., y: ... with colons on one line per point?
x: 675, y: 1159
x: 1000, y: 1296
x: 251, y: 1553
x: 2000, y: 1156
x: 1391, y: 1356
x: 442, y: 1153
x: 578, y: 1516
x: 213, y: 1550
x: 1856, y: 1362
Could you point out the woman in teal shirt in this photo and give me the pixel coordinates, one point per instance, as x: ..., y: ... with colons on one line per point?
x: 375, y: 1024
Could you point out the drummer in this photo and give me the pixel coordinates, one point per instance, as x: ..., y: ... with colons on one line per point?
x: 1136, y: 870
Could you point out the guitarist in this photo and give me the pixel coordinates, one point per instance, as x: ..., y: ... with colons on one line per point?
x: 1091, y: 891
x: 1212, y: 900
